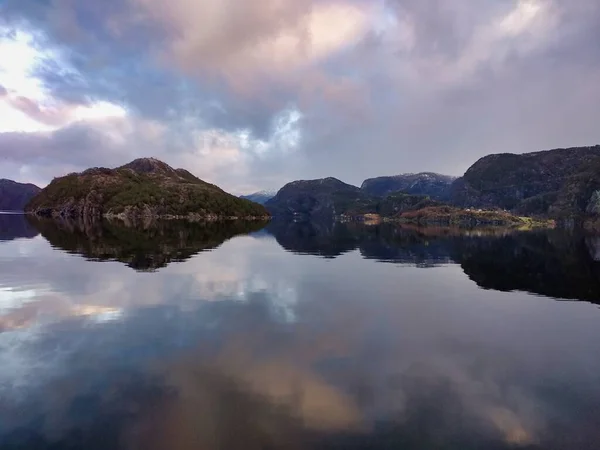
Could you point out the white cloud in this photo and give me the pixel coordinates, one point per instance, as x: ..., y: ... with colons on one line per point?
x: 26, y: 106
x: 17, y: 60
x: 521, y: 17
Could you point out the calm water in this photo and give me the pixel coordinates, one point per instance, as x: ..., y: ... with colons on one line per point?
x: 297, y: 336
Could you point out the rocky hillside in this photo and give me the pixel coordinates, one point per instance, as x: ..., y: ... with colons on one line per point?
x: 459, y: 217
x: 559, y: 183
x: 323, y: 197
x: 429, y: 184
x: 145, y: 187
x: 260, y: 197
x: 330, y: 197
x: 14, y: 196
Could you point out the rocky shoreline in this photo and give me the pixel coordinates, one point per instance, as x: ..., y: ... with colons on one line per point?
x: 449, y: 216
x: 127, y: 217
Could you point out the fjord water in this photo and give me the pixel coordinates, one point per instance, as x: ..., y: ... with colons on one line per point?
x: 297, y: 336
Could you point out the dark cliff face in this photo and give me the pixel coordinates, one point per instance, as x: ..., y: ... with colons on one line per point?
x: 323, y: 197
x: 553, y: 182
x: 143, y: 188
x: 14, y: 196
x: 428, y: 184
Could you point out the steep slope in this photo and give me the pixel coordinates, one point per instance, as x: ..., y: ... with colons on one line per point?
x: 430, y: 184
x: 323, y: 197
x: 14, y: 196
x: 260, y: 197
x: 145, y: 187
x: 555, y: 182
x: 330, y: 197
x: 579, y: 195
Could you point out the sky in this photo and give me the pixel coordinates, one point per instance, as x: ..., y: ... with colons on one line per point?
x: 252, y: 94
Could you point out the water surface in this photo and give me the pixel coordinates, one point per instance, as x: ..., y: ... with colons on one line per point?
x: 297, y: 336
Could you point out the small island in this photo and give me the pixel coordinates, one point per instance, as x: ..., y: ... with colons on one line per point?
x: 145, y: 188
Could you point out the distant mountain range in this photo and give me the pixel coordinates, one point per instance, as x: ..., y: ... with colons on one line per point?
x: 332, y: 198
x: 260, y: 197
x: 14, y: 196
x: 144, y: 188
x: 433, y: 185
x: 562, y: 184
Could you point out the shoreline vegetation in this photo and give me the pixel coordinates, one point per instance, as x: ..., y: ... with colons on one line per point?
x: 447, y: 216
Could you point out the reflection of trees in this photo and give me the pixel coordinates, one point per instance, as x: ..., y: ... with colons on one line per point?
x: 142, y: 248
x: 14, y: 226
x: 551, y: 262
x: 390, y: 243
x: 328, y: 239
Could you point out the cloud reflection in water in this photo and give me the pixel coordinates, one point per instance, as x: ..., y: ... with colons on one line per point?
x: 250, y: 346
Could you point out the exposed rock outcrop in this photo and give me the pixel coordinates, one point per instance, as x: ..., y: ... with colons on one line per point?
x: 557, y: 183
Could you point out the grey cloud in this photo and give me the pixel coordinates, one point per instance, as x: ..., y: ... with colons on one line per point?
x: 79, y: 145
x: 459, y: 91
x: 526, y: 98
x: 3, y: 91
x: 138, y: 53
x: 443, y: 27
x: 112, y: 58
x: 115, y: 141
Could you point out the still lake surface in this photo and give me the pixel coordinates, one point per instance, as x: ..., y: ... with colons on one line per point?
x: 297, y: 336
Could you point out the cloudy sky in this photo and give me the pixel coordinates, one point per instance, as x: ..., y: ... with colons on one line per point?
x: 250, y: 94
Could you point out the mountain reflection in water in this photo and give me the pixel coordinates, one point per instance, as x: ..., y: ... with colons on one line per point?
x: 144, y: 248
x: 15, y: 226
x: 553, y: 263
x: 252, y: 347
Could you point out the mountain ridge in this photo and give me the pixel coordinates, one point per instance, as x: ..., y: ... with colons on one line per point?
x: 260, y: 197
x: 557, y: 183
x: 14, y: 196
x: 145, y: 187
x: 562, y: 184
x: 431, y: 184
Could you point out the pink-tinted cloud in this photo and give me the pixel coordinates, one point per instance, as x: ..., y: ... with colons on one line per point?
x: 53, y: 116
x: 247, y: 42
